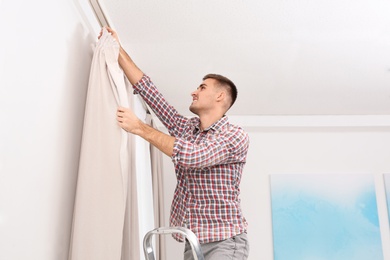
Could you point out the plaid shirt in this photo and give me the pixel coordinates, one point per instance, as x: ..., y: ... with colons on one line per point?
x: 208, y: 167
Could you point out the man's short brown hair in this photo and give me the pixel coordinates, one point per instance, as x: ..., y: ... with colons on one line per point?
x: 225, y: 82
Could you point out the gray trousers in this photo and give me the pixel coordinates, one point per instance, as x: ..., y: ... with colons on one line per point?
x: 234, y: 248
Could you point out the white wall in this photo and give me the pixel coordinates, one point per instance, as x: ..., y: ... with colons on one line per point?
x: 45, y: 55
x: 317, y: 144
x: 45, y: 60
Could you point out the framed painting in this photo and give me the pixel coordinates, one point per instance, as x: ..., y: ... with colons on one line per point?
x: 322, y: 217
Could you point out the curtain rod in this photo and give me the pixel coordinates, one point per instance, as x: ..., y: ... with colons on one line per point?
x: 97, y: 8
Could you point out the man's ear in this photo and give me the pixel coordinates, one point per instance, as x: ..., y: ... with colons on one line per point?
x: 221, y: 96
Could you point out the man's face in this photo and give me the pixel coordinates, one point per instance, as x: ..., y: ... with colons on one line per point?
x: 204, y: 97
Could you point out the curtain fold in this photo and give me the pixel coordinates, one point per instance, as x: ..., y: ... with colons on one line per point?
x: 105, y: 218
x: 158, y: 197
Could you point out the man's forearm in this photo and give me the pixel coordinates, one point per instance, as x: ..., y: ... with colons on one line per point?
x: 132, y: 124
x: 160, y: 140
x: 132, y: 72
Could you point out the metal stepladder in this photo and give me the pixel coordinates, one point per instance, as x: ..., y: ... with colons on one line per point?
x: 192, y: 239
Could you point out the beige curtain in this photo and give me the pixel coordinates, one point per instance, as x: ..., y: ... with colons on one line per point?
x: 105, y: 220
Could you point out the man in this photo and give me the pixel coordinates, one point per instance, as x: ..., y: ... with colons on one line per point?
x: 208, y: 153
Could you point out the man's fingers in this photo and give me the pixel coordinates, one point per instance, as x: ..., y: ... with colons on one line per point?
x: 120, y: 111
x: 111, y: 31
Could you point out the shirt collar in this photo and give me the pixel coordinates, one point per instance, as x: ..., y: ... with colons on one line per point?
x: 216, y: 126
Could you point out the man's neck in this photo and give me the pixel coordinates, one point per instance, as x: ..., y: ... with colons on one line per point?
x: 207, y: 120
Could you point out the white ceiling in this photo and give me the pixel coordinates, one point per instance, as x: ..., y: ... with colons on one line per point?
x: 299, y: 57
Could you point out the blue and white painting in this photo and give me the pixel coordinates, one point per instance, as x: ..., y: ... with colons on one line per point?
x: 325, y: 217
